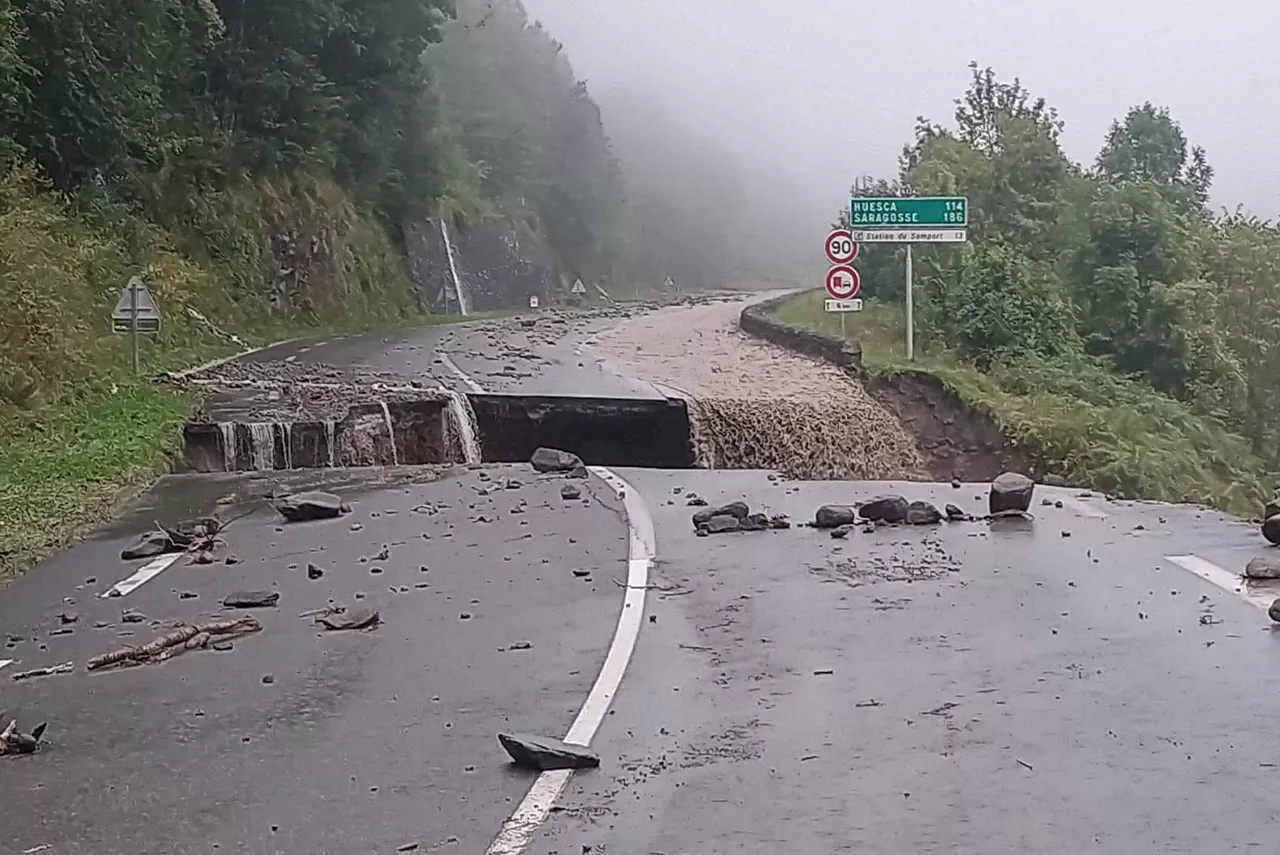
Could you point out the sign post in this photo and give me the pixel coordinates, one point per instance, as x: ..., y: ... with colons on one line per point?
x: 136, y: 312
x: 909, y: 220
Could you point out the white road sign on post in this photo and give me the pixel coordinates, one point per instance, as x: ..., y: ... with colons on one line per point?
x: 578, y: 287
x: 912, y: 236
x: 843, y: 305
x: 135, y: 313
x: 843, y: 282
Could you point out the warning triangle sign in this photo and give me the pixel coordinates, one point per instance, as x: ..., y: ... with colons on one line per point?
x: 578, y: 287
x: 135, y: 301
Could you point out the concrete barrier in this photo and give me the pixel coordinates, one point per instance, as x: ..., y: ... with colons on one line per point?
x: 757, y: 320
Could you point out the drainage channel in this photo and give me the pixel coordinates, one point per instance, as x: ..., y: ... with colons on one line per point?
x: 445, y: 427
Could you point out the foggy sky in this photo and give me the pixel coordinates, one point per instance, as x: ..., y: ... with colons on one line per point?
x: 809, y: 94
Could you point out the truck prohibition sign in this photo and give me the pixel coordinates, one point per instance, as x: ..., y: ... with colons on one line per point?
x: 843, y: 282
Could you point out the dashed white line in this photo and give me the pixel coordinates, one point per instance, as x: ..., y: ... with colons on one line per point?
x: 5, y: 663
x: 1230, y: 582
x: 533, y: 810
x: 145, y: 574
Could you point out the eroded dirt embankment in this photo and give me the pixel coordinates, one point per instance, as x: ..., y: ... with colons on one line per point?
x: 758, y: 405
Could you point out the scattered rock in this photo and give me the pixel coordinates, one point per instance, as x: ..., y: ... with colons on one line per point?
x: 305, y: 507
x: 554, y: 460
x: 1263, y: 568
x: 834, y: 516
x: 132, y: 616
x: 1271, y: 529
x: 954, y: 514
x: 923, y: 513
x: 580, y: 573
x: 779, y: 522
x: 696, y: 501
x: 314, y: 572
x: 1274, y: 611
x: 12, y: 741
x: 1011, y: 494
x: 842, y: 532
x: 544, y: 754
x: 149, y: 545
x: 268, y: 679
x: 520, y: 645
x: 721, y: 524
x: 187, y: 595
x: 251, y: 600
x: 68, y: 617
x: 569, y: 492
x: 754, y: 522
x: 737, y: 510
x: 407, y: 847
x: 889, y: 509
x: 360, y: 617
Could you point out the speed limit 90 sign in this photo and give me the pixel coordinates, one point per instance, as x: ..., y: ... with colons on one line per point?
x: 840, y: 247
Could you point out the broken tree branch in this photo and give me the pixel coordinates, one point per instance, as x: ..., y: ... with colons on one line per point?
x: 181, y: 638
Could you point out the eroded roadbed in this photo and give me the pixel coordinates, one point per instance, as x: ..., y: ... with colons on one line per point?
x: 299, y: 739
x: 1055, y: 685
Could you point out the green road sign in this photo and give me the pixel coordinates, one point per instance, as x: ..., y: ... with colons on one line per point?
x: 909, y: 212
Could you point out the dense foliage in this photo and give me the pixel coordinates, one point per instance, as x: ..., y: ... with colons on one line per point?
x: 1119, y: 264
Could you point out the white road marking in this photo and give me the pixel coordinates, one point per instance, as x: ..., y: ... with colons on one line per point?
x: 1085, y: 509
x: 1232, y: 583
x: 5, y: 663
x: 145, y: 574
x: 471, y: 385
x: 533, y: 810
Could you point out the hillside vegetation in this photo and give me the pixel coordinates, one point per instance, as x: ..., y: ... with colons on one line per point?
x: 1104, y: 312
x: 258, y: 164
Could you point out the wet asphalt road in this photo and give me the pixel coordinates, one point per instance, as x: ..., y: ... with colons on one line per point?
x: 971, y: 688
x: 363, y: 742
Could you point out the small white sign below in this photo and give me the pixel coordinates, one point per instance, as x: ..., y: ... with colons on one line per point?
x: 533, y: 301
x: 912, y: 236
x: 578, y: 287
x: 135, y: 300
x: 844, y: 305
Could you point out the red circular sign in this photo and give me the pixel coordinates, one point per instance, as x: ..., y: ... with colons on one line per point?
x: 841, y: 247
x: 843, y: 282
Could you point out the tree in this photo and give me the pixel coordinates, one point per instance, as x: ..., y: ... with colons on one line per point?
x: 1150, y: 147
x: 999, y: 307
x: 14, y: 73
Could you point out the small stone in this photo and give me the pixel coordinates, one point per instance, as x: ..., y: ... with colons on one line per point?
x: 955, y: 514
x: 779, y: 522
x: 188, y: 595
x: 842, y: 532
x: 545, y: 754
x: 1048, y: 503
x: 1011, y: 494
x: 68, y: 617
x: 306, y: 507
x: 754, y: 522
x: 251, y: 600
x: 148, y: 545
x: 580, y: 573
x: 521, y: 645
x: 314, y: 572
x: 955, y: 484
x: 569, y: 492
x: 268, y: 679
x: 696, y: 502
x: 834, y: 516
x: 407, y: 847
x: 132, y: 616
x: 1274, y: 611
x: 464, y: 616
x: 889, y: 509
x: 360, y: 617
x: 231, y: 559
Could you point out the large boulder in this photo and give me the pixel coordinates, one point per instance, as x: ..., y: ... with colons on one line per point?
x: 1263, y: 568
x: 889, y: 509
x: 923, y: 513
x: 554, y: 460
x: 545, y: 754
x: 1271, y: 509
x: 1011, y: 494
x: 304, y: 507
x: 834, y: 516
x: 1271, y: 529
x: 737, y: 510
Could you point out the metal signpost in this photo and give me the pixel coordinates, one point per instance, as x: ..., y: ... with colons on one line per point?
x: 135, y: 313
x: 909, y: 220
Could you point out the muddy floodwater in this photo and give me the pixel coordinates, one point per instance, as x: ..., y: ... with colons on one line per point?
x: 756, y: 405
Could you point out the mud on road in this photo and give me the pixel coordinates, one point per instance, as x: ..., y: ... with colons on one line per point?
x: 755, y: 405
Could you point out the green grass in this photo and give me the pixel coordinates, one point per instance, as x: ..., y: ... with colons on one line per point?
x: 69, y: 466
x: 1084, y: 423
